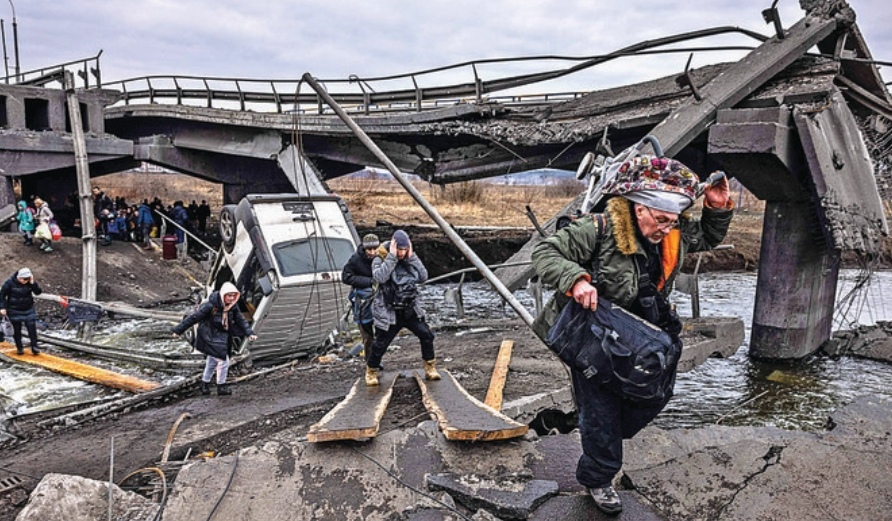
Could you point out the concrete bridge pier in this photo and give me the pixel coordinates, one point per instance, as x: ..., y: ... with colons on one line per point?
x: 796, y: 287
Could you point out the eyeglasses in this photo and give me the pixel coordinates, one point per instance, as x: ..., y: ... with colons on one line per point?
x: 663, y: 223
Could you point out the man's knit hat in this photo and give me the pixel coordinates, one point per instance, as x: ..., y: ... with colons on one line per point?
x: 656, y: 182
x: 401, y: 238
x: 370, y: 240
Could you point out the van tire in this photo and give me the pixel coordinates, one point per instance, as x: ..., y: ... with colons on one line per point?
x: 228, y: 227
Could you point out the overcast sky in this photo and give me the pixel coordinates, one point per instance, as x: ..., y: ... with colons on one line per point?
x: 282, y: 39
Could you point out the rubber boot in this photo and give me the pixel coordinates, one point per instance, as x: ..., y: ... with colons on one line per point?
x: 371, y: 376
x: 430, y: 370
x: 224, y: 390
x: 205, y: 388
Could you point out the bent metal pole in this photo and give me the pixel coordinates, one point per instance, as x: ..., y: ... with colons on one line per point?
x: 431, y: 211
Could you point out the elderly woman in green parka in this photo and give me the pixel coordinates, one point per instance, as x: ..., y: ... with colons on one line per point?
x: 644, y: 227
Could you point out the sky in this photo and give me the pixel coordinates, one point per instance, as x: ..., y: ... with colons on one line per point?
x: 283, y: 39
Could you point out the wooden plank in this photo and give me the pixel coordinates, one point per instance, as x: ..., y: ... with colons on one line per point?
x: 358, y: 415
x: 461, y: 416
x: 79, y: 370
x: 499, y: 375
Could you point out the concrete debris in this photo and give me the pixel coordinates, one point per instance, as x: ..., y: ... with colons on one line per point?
x: 507, y: 498
x: 61, y: 497
x: 874, y: 342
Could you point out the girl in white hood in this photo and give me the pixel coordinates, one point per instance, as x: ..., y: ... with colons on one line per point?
x: 219, y: 319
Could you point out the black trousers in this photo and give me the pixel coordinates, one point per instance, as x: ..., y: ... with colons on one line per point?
x: 605, y: 420
x: 17, y: 333
x: 404, y: 319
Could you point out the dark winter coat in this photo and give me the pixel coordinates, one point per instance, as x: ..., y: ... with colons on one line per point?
x: 358, y: 273
x: 18, y: 299
x: 358, y: 270
x: 212, y: 338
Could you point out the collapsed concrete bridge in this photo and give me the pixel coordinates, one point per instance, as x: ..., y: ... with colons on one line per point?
x: 795, y: 128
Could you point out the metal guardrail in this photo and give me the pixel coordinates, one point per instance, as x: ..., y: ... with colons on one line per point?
x: 359, y: 95
x: 85, y: 68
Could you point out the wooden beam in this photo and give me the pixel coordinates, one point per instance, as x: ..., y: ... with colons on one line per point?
x: 78, y: 370
x: 358, y: 415
x: 461, y: 416
x: 499, y: 375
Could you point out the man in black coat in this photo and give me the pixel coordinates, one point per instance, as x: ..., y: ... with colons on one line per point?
x: 17, y: 304
x: 219, y: 319
x: 358, y: 274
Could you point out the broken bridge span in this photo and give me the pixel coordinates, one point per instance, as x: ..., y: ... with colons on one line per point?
x: 806, y: 132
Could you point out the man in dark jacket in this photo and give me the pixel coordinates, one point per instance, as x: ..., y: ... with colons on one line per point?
x: 100, y: 202
x: 17, y: 304
x: 204, y: 213
x: 631, y: 257
x: 219, y: 320
x: 358, y: 274
x: 398, y: 271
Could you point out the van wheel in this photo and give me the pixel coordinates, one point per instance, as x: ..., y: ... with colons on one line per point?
x: 227, y: 227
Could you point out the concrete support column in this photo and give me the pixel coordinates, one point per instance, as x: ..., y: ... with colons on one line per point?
x: 796, y: 288
x: 7, y: 195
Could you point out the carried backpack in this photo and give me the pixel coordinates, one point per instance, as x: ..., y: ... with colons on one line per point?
x: 400, y: 290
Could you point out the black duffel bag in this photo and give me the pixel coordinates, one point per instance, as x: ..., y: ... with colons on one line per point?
x: 617, y: 349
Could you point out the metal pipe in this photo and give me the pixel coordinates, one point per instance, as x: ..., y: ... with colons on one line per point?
x: 5, y: 55
x: 187, y: 232
x: 430, y: 210
x: 15, y: 41
x: 111, y: 479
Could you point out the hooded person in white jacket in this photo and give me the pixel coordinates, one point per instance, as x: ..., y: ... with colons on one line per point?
x: 219, y: 320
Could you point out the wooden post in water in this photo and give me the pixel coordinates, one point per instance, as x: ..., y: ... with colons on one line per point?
x: 85, y: 197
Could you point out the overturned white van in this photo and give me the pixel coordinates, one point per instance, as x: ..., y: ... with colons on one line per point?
x: 285, y: 253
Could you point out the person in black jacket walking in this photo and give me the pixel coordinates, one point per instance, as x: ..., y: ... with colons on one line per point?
x: 358, y: 274
x: 219, y: 319
x: 17, y: 303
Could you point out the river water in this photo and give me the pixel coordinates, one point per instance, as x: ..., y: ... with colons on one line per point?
x: 731, y: 391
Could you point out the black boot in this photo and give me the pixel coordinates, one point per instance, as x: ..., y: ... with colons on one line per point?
x: 21, y: 350
x: 34, y: 351
x: 224, y: 390
x: 205, y: 388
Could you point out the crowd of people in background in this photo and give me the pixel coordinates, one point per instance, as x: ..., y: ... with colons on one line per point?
x: 116, y: 220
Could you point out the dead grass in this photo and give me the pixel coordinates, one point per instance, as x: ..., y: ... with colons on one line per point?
x: 463, y: 204
x: 136, y: 186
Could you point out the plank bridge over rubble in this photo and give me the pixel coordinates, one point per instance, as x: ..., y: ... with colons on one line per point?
x: 807, y: 132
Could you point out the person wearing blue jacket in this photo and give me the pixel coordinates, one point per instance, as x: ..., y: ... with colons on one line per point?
x: 17, y: 304
x: 219, y: 320
x: 145, y: 221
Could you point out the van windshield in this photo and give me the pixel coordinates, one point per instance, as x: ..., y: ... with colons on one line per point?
x: 312, y: 255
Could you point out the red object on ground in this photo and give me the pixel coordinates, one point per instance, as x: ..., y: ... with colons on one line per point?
x: 169, y: 247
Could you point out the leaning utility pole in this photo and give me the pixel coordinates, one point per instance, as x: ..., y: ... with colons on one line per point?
x: 88, y: 226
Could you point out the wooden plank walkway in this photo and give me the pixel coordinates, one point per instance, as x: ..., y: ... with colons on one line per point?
x: 359, y: 414
x: 78, y: 370
x: 463, y: 417
x: 499, y: 375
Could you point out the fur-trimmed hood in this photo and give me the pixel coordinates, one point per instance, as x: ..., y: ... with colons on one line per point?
x: 619, y: 211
